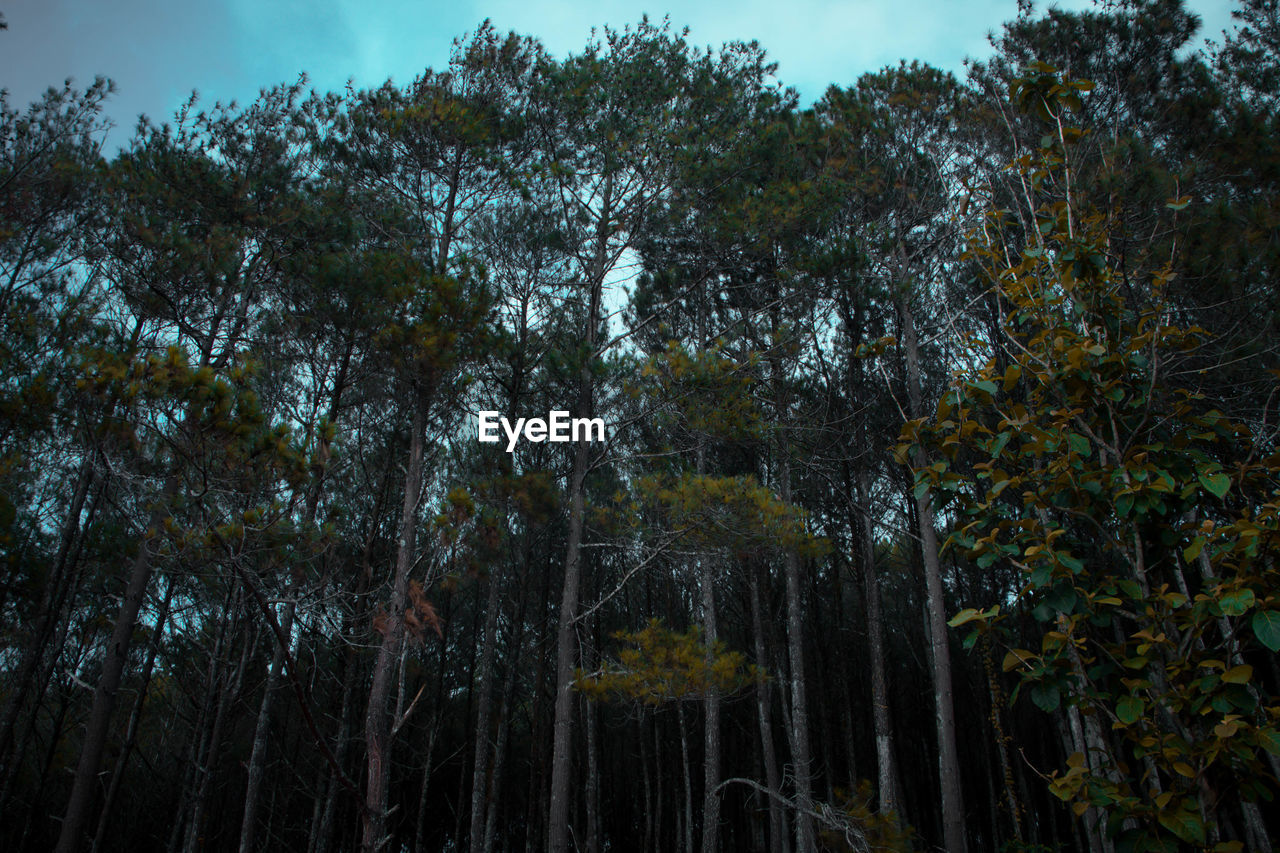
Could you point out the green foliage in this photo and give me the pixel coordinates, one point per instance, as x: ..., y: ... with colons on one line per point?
x: 704, y: 393
x: 737, y: 513
x: 1144, y: 523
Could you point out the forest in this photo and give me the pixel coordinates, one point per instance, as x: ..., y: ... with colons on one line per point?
x: 937, y: 506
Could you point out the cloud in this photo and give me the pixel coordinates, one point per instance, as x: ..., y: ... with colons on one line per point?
x: 157, y: 51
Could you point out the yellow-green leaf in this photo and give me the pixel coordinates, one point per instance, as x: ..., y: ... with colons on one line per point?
x: 1238, y: 674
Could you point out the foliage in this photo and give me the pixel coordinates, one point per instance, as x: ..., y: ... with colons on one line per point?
x: 1144, y: 524
x: 659, y: 665
x: 242, y: 503
x: 883, y: 832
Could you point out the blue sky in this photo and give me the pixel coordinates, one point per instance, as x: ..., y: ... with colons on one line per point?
x: 158, y: 51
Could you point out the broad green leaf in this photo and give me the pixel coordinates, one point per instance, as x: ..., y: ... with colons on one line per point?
x: 1045, y: 696
x: 1075, y: 565
x: 1266, y: 627
x: 921, y: 489
x: 1129, y: 709
x: 1185, y: 825
x: 1236, y: 603
x: 1040, y: 576
x: 1216, y: 482
x: 1062, y: 598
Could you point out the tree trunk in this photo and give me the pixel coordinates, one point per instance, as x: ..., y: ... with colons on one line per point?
x: 84, y: 789
x: 50, y: 607
x: 258, y: 753
x: 593, y: 779
x: 940, y: 654
x: 207, y: 768
x: 711, y: 723
x: 566, y: 653
x: 886, y: 774
x: 558, y: 820
x: 795, y: 656
x: 262, y: 728
x: 764, y: 702
x: 687, y: 823
x: 346, y: 716
x: 484, y: 709
x: 504, y: 733
x: 135, y: 716
x: 377, y: 723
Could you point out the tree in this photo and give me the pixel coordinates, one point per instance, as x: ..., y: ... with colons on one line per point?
x: 1089, y: 466
x: 605, y: 123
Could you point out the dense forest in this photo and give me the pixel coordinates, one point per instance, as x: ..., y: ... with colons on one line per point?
x: 938, y: 505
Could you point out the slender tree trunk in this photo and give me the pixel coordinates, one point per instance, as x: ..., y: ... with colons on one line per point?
x: 84, y: 789
x: 262, y: 728
x: 53, y: 653
x: 207, y: 768
x: 346, y: 716
x: 377, y: 724
x: 795, y: 654
x: 538, y: 799
x: 711, y: 724
x: 886, y: 775
x: 647, y: 781
x: 261, y: 731
x: 50, y: 608
x: 566, y: 654
x: 558, y: 828
x: 1002, y: 741
x: 657, y: 795
x: 948, y: 755
x: 484, y: 709
x: 1092, y: 818
x: 593, y: 778
x: 433, y: 739
x: 200, y: 732
x: 135, y: 716
x: 764, y: 703
x: 504, y: 734
x: 687, y: 823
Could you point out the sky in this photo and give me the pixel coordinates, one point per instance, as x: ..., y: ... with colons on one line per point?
x: 158, y: 51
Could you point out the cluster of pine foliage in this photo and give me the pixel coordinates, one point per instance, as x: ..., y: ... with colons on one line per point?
x: 940, y: 505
